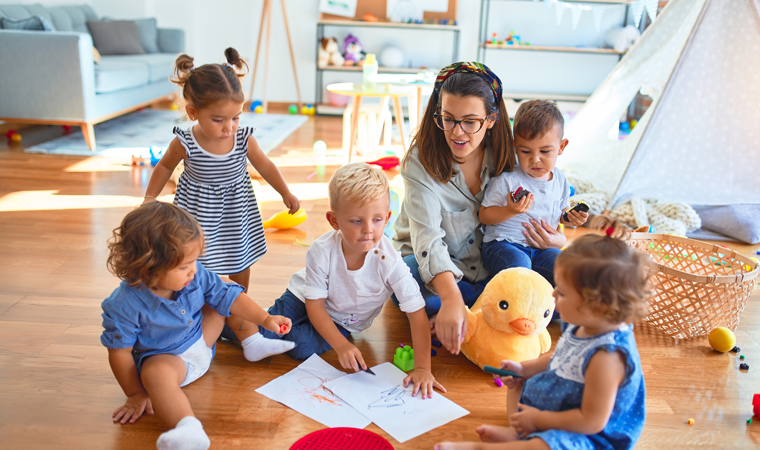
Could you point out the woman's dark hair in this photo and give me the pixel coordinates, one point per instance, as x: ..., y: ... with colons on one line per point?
x: 210, y: 83
x: 435, y: 153
x: 150, y: 242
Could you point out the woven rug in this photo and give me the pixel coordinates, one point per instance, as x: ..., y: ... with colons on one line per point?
x: 135, y: 133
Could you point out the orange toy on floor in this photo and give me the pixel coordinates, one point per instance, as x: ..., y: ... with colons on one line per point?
x: 508, y: 321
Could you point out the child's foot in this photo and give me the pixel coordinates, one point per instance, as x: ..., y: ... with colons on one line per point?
x: 187, y: 435
x: 257, y: 347
x: 490, y: 433
x: 456, y: 445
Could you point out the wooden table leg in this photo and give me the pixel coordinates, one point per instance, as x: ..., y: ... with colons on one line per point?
x: 354, y: 125
x: 413, y: 115
x: 399, y: 113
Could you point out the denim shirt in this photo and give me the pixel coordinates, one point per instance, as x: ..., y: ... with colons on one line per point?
x: 136, y: 317
x: 439, y: 223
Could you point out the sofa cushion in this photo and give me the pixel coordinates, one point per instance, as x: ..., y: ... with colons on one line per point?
x: 147, y: 29
x: 72, y: 18
x: 14, y: 11
x: 33, y: 23
x: 114, y: 73
x: 117, y: 37
x: 61, y: 19
x: 160, y: 65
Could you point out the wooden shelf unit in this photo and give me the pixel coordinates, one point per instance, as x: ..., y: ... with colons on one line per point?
x: 550, y: 48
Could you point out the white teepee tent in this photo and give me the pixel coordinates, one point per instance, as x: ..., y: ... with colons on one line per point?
x: 699, y: 141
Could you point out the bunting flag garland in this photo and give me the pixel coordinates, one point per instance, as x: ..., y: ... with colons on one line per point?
x: 637, y: 10
x: 651, y: 7
x: 598, y: 15
x: 576, y: 16
x: 559, y: 11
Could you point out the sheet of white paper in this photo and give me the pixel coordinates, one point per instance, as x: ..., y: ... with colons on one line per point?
x: 386, y: 402
x: 419, y: 5
x: 303, y: 390
x: 345, y: 8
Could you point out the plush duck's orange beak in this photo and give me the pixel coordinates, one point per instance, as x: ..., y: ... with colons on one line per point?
x: 524, y: 327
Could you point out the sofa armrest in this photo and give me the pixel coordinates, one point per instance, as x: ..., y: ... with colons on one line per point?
x: 46, y: 75
x: 171, y: 40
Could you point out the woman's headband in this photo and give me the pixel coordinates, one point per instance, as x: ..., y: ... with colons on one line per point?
x: 478, y: 69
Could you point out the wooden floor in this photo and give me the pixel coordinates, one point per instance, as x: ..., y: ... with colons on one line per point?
x: 57, y: 390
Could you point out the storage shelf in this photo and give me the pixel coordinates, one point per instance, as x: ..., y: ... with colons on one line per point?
x: 360, y: 23
x: 545, y: 96
x: 379, y: 69
x: 548, y: 48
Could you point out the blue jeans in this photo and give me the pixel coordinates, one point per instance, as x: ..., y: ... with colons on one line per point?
x: 307, y: 338
x: 470, y: 291
x: 500, y: 255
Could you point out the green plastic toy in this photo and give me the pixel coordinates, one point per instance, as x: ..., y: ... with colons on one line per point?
x: 404, y: 358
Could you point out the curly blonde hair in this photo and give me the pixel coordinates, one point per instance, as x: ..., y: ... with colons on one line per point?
x: 357, y: 183
x: 610, y: 276
x: 150, y: 242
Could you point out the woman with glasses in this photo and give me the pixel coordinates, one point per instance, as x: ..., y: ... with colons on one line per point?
x: 464, y: 139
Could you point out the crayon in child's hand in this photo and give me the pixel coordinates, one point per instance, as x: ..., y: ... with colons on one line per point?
x: 283, y: 329
x: 502, y: 372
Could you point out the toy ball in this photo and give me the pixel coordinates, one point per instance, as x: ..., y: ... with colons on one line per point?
x: 9, y: 134
x: 392, y: 57
x: 66, y: 129
x: 722, y: 339
x: 259, y: 109
x: 16, y: 138
x: 305, y: 110
x: 293, y: 109
x: 254, y: 104
x: 319, y: 146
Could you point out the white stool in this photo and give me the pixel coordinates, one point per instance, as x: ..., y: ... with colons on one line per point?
x: 374, y: 120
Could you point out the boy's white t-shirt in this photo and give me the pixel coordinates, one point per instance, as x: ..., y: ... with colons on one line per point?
x: 353, y: 298
x: 550, y: 198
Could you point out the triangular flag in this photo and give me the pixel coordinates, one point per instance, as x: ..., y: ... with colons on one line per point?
x: 576, y: 15
x: 547, y: 5
x: 651, y: 6
x: 637, y: 10
x: 598, y: 15
x: 559, y: 11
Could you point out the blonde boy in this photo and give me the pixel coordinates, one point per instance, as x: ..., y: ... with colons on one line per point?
x: 350, y: 273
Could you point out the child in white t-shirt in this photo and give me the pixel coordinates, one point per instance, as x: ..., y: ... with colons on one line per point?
x: 538, y: 130
x: 350, y: 273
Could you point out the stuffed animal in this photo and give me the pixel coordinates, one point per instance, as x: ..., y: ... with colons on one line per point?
x: 509, y: 319
x: 353, y: 52
x: 328, y: 53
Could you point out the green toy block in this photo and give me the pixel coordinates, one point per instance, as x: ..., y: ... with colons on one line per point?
x: 404, y: 358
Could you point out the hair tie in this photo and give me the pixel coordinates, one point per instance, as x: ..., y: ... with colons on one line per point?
x: 191, y: 68
x: 478, y: 69
x: 609, y: 231
x: 230, y: 66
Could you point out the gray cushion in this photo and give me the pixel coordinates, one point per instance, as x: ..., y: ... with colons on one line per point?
x: 114, y: 74
x: 148, y: 31
x: 36, y: 23
x: 741, y: 222
x: 118, y: 37
x: 160, y: 65
x: 14, y: 11
x: 61, y: 19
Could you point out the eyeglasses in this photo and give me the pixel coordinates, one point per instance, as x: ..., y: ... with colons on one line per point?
x: 469, y: 126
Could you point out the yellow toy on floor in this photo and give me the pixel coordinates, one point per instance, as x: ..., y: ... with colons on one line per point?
x: 509, y: 319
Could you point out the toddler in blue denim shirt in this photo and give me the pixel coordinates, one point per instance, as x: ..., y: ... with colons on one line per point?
x: 162, y: 322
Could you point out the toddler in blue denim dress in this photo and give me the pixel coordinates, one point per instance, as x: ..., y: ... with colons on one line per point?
x: 507, y: 239
x: 162, y: 322
x: 590, y: 393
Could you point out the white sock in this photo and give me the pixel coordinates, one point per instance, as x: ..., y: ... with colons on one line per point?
x: 257, y: 347
x: 187, y: 435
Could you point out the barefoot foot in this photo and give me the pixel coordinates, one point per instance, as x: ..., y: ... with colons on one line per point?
x: 490, y: 433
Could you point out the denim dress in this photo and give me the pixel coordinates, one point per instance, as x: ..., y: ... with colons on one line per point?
x: 560, y: 388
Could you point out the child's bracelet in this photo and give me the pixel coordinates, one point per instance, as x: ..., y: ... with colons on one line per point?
x: 150, y: 196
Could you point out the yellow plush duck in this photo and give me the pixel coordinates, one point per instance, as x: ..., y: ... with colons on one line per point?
x: 508, y: 321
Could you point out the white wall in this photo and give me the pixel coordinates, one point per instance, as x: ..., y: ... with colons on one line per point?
x: 210, y: 27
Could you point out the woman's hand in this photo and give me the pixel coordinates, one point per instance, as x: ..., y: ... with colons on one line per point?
x: 278, y: 324
x: 350, y: 357
x: 424, y: 382
x: 133, y: 408
x: 451, y: 324
x: 292, y: 202
x: 524, y: 421
x: 542, y: 236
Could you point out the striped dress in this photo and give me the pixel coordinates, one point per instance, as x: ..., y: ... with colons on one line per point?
x: 217, y: 191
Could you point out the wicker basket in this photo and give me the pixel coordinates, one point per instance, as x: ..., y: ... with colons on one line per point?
x: 697, y: 287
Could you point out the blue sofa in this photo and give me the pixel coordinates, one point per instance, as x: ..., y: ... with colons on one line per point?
x: 49, y: 77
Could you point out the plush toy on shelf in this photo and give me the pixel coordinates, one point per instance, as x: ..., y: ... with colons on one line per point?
x: 509, y: 319
x: 329, y: 54
x: 353, y: 52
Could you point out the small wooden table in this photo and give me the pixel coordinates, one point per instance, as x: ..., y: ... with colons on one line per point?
x: 385, y: 91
